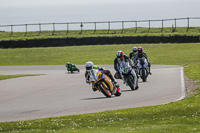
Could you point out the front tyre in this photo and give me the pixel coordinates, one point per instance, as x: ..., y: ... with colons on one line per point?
x: 144, y: 78
x: 130, y: 82
x: 105, y: 90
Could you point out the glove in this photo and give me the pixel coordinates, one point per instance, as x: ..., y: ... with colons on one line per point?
x: 134, y: 67
x: 100, y: 68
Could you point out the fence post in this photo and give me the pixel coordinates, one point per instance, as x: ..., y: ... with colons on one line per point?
x: 188, y: 24
x: 175, y: 25
x: 122, y: 27
x: 81, y: 28
x: 40, y: 30
x: 53, y: 29
x: 67, y: 28
x: 11, y: 30
x: 162, y: 26
x: 95, y: 27
x: 149, y: 25
x: 108, y: 27
x: 135, y: 26
x: 26, y: 30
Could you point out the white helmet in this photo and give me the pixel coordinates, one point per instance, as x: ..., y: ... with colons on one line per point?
x: 89, y: 66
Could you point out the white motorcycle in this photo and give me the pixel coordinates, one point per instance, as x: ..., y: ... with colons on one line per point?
x: 143, y: 69
x: 128, y: 75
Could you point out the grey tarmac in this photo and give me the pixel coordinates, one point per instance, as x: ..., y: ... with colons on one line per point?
x: 59, y: 93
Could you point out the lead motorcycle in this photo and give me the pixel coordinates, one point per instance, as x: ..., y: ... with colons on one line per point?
x: 128, y: 75
x: 103, y: 83
x: 143, y: 69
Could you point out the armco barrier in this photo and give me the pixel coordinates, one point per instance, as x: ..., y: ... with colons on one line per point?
x: 55, y: 42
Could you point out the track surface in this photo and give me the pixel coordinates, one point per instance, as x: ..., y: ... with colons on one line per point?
x: 59, y: 94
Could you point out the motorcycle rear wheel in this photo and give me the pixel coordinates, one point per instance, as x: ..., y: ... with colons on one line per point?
x: 118, y: 92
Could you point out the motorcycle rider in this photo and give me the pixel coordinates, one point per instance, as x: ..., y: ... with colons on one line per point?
x: 122, y: 57
x: 141, y: 54
x: 90, y: 66
x: 132, y: 54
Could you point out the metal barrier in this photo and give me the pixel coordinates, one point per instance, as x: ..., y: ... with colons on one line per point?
x: 67, y: 27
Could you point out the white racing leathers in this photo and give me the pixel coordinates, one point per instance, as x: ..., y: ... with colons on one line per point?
x: 128, y: 74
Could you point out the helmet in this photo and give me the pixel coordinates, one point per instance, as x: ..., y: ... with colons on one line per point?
x: 120, y: 54
x: 68, y: 63
x: 140, y: 50
x: 135, y: 49
x: 89, y: 66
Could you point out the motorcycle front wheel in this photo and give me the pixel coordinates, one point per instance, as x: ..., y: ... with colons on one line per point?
x: 143, y: 76
x: 130, y: 82
x: 104, y: 90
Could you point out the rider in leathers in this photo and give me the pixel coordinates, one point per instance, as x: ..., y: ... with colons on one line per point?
x: 122, y: 57
x: 141, y: 54
x: 89, y: 66
x: 132, y: 54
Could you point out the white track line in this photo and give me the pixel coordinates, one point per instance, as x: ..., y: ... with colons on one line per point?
x: 183, y: 89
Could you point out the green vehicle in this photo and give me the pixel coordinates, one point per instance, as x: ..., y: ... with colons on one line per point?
x: 71, y: 67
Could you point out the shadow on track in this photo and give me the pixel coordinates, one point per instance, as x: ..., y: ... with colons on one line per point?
x: 127, y: 90
x: 96, y: 98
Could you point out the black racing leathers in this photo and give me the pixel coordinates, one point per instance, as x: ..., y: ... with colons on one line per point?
x: 132, y: 54
x: 143, y: 54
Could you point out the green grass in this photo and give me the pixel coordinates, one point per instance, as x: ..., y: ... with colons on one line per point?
x: 176, y: 54
x: 3, y: 77
x: 90, y: 33
x: 178, y: 117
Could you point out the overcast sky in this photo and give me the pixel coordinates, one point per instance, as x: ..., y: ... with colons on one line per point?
x: 34, y: 11
x: 5, y: 3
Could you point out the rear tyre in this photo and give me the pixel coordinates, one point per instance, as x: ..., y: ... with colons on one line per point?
x: 118, y: 92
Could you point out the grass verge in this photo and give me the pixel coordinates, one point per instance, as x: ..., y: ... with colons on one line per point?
x: 3, y: 77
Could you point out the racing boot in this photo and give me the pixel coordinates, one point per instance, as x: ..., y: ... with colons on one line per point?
x: 113, y: 81
x: 150, y: 72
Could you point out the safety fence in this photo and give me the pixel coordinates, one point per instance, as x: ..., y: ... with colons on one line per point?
x: 107, y: 26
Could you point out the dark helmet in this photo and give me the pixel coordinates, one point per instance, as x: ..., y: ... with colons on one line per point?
x: 120, y: 54
x: 135, y: 49
x: 140, y: 50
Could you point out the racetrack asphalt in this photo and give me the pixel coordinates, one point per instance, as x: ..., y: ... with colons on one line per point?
x: 59, y: 93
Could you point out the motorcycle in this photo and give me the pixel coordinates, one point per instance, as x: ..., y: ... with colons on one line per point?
x: 143, y: 69
x: 103, y: 83
x: 128, y: 75
x: 71, y: 67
